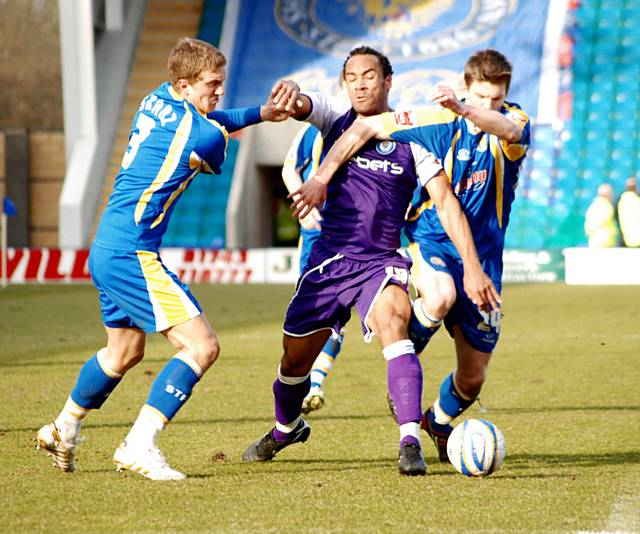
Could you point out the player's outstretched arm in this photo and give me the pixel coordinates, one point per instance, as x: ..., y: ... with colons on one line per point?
x: 278, y: 107
x: 477, y: 285
x: 314, y: 191
x: 487, y: 120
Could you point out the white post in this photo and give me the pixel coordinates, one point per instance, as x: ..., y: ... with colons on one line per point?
x: 80, y: 122
x: 114, y: 15
x: 4, y: 249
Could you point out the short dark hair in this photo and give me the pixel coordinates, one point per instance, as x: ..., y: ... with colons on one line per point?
x: 488, y: 66
x: 368, y: 51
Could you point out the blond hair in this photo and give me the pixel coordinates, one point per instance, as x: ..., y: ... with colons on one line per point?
x: 190, y: 58
x: 488, y: 66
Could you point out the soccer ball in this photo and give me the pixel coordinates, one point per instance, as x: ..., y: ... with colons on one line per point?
x: 476, y: 448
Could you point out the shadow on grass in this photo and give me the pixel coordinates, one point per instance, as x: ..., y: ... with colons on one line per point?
x: 546, y: 409
x: 267, y: 421
x: 532, y: 461
x: 315, y: 465
x: 66, y: 363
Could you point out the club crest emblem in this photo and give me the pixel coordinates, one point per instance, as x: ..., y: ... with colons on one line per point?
x: 385, y: 147
x: 404, y: 30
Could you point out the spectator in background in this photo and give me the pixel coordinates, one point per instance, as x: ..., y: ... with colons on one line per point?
x: 599, y: 221
x: 629, y: 213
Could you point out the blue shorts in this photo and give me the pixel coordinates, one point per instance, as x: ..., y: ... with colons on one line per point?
x: 136, y: 290
x: 307, y: 239
x: 331, y: 286
x: 480, y: 329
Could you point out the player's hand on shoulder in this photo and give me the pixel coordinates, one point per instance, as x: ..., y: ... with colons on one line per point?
x: 446, y: 97
x: 310, y: 195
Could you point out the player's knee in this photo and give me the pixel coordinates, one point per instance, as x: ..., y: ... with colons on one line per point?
x: 394, y: 328
x: 470, y: 384
x: 121, y: 359
x: 441, y: 301
x: 209, y: 351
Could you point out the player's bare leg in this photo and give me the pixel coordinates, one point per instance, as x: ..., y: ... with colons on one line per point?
x: 198, y: 349
x: 436, y: 295
x: 96, y: 380
x: 458, y: 391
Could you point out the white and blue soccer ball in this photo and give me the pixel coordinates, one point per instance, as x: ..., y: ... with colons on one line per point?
x: 476, y: 448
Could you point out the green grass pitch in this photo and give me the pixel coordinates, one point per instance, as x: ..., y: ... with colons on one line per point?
x: 563, y: 387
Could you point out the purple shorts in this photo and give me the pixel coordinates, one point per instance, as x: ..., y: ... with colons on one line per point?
x: 329, y: 289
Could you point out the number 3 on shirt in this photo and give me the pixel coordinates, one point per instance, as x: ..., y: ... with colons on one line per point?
x: 144, y: 125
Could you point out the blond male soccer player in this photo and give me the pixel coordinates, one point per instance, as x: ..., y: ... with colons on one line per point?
x: 355, y: 262
x: 481, y: 142
x: 176, y: 134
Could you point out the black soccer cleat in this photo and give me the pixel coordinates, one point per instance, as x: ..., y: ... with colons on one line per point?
x: 438, y: 436
x: 264, y: 449
x: 411, y: 460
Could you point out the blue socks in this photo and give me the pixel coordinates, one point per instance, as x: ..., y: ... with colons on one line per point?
x: 94, y: 384
x: 324, y: 362
x: 173, y: 386
x: 449, y: 404
x: 421, y: 326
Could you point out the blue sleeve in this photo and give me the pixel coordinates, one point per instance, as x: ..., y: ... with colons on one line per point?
x: 236, y: 119
x: 431, y: 137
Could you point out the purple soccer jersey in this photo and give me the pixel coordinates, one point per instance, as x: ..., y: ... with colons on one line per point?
x: 368, y: 197
x: 357, y: 255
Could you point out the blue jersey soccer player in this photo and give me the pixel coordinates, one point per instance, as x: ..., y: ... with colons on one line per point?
x: 176, y: 134
x: 482, y: 142
x: 355, y: 262
x: 302, y: 161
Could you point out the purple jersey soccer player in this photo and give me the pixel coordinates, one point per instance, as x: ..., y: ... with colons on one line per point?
x: 355, y: 262
x: 482, y: 141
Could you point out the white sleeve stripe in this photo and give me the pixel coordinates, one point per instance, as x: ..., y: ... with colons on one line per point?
x: 427, y: 165
x: 325, y: 110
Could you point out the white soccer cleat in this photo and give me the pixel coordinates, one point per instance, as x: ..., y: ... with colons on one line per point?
x: 60, y: 450
x: 313, y: 401
x: 149, y: 462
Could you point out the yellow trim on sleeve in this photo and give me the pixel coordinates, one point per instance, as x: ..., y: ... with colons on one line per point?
x: 515, y: 151
x: 394, y: 121
x: 499, y: 172
x: 448, y: 158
